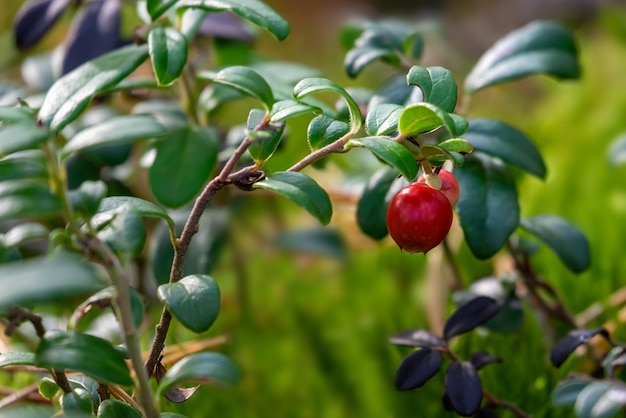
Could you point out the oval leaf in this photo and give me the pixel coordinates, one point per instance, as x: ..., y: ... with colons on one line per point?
x: 71, y: 94
x: 266, y: 137
x: 168, y: 52
x: 194, y: 301
x: 569, y: 244
x: 567, y: 391
x: 391, y: 152
x: 566, y: 345
x: 301, y: 189
x: 23, y: 199
x: 115, y: 131
x: 437, y: 85
x: 19, y: 137
x: 474, y: 313
x: 121, y: 229
x: 157, y: 7
x: 184, y: 161
x: 204, y: 367
x: 424, y: 117
x: 463, y: 388
x: 26, y: 282
x: 112, y: 408
x: 540, y: 47
x: 324, y: 130
x: 316, y: 84
x: 15, y: 358
x: 507, y: 143
x: 417, y: 368
x: 488, y: 205
x: 84, y: 353
x: 34, y: 19
x: 144, y: 207
x: 285, y: 109
x: 254, y: 11
x: 244, y: 80
x: 481, y: 359
x: 383, y: 119
x: 371, y: 211
x: 589, y: 397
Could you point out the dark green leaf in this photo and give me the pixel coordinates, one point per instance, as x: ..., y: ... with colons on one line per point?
x: 16, y: 114
x: 84, y: 353
x: 28, y: 411
x: 76, y: 403
x: 244, y: 80
x: 324, y: 130
x: 207, y: 367
x: 315, y: 85
x: 540, y: 47
x: 185, y: 159
x: 194, y: 301
x: 86, y: 199
x: 168, y: 52
x: 488, y: 205
x: 424, y: 117
x: 396, y: 91
x: 320, y: 241
x: 25, y: 232
x: 567, y: 241
x: 144, y: 207
x: 437, y: 85
x: 122, y: 229
x: 18, y: 137
x: 301, y: 189
x: 157, y: 7
x: 112, y: 408
x: 115, y: 131
x: 391, y: 152
x: 285, y: 109
x: 15, y: 358
x: 15, y: 168
x: 255, y: 11
x: 266, y: 137
x: 507, y: 143
x: 370, y: 47
x: 383, y: 119
x: 371, y: 211
x: 24, y: 199
x: 27, y: 282
x: 103, y: 299
x: 71, y: 94
x: 460, y: 123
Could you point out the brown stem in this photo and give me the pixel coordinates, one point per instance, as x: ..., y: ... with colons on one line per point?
x: 336, y: 146
x: 505, y: 405
x: 28, y: 393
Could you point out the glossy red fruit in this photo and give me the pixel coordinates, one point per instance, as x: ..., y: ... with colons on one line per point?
x: 419, y: 218
x: 449, y: 185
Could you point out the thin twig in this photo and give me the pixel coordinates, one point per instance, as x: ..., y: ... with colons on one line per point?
x: 505, y: 405
x: 29, y: 392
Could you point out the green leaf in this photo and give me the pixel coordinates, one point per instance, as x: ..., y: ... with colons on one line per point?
x: 460, y: 123
x: 507, y: 143
x: 47, y: 387
x: 25, y: 232
x: 71, y: 94
x: 207, y: 367
x: 15, y: 168
x: 391, y: 152
x: 567, y: 391
x: 184, y: 161
x: 103, y: 299
x: 88, y: 354
x: 122, y: 229
x: 144, y: 207
x: 456, y: 145
x: 266, y: 137
x: 156, y: 8
x: 18, y: 137
x: 589, y: 397
x: 488, y: 205
x: 86, y: 199
x: 194, y: 301
x: 16, y: 114
x: 15, y: 358
x: 27, y: 282
x: 316, y: 85
x: 254, y: 11
x: 301, y: 189
x: 76, y: 403
x: 323, y: 130
x: 437, y: 85
x: 540, y: 47
x: 27, y: 199
x: 371, y: 211
x: 437, y: 155
x: 115, y: 131
x: 360, y: 57
x: 168, y: 52
x: 567, y: 241
x: 320, y: 241
x: 424, y: 117
x: 112, y: 408
x: 383, y: 119
x: 286, y: 109
x: 244, y: 80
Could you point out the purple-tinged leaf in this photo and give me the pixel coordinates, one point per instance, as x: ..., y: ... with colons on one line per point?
x: 417, y: 368
x: 34, y: 19
x: 566, y: 345
x: 418, y: 338
x: 463, y: 388
x: 481, y: 359
x: 469, y: 316
x: 94, y: 33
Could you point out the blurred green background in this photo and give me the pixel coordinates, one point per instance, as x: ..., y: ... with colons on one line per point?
x: 310, y: 332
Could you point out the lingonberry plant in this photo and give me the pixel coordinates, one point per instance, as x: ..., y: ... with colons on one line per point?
x: 73, y: 156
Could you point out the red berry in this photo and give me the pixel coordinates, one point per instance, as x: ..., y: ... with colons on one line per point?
x: 419, y: 218
x: 449, y: 185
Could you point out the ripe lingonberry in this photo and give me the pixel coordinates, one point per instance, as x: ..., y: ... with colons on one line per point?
x: 449, y: 185
x: 419, y: 218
